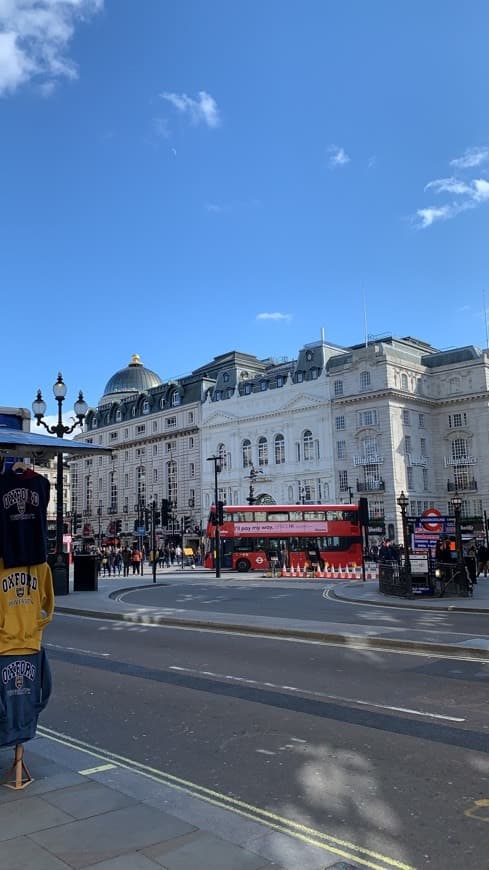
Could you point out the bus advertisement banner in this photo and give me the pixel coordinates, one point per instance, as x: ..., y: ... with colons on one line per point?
x: 312, y: 527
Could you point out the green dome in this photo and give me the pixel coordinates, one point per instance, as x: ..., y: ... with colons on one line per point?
x: 135, y: 378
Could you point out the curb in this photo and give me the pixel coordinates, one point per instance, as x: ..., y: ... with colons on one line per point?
x: 299, y: 634
x: 451, y: 607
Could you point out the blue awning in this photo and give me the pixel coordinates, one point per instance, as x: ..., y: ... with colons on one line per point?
x: 14, y: 442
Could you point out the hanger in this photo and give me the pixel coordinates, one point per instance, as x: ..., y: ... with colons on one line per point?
x: 19, y: 466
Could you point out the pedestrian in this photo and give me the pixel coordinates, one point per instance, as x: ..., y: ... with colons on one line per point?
x: 126, y: 560
x: 136, y: 560
x: 482, y: 560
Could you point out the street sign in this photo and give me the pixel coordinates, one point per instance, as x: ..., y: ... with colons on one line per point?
x: 141, y: 530
x: 431, y: 520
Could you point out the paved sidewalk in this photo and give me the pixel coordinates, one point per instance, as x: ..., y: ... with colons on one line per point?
x: 78, y: 813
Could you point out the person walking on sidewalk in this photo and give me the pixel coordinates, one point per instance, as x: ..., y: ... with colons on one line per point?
x: 136, y: 558
x: 126, y: 560
x: 482, y: 560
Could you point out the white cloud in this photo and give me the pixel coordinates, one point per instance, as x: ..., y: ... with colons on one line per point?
x: 449, y: 185
x: 34, y: 35
x: 273, y: 315
x: 337, y: 156
x: 470, y: 193
x: 481, y: 189
x: 471, y: 157
x: 428, y: 216
x: 203, y: 110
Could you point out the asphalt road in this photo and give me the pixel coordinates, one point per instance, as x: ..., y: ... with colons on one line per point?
x: 387, y: 751
x: 296, y: 603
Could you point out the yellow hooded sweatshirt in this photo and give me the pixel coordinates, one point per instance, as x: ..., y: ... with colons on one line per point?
x: 26, y: 606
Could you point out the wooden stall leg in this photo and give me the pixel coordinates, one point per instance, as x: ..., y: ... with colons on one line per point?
x: 18, y: 775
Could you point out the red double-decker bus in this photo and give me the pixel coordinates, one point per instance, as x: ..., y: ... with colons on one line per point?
x: 254, y: 536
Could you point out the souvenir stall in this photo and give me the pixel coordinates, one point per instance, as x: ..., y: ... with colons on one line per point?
x: 26, y: 588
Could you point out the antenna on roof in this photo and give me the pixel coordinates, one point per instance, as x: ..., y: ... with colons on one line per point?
x: 365, y: 316
x: 322, y: 335
x: 485, y: 316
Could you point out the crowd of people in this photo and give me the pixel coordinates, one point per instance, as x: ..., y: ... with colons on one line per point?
x: 114, y: 561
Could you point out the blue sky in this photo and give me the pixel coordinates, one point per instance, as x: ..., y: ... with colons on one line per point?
x: 184, y: 178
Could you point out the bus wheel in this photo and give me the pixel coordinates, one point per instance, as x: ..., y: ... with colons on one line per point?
x: 243, y: 565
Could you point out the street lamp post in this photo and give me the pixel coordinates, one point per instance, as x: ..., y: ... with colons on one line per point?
x: 60, y: 570
x: 456, y: 503
x: 217, y: 468
x: 403, y: 502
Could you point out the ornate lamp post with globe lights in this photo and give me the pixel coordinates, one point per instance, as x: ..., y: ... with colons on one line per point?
x: 60, y: 568
x: 403, y: 502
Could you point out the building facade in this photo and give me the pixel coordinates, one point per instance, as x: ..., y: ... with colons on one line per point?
x: 330, y: 426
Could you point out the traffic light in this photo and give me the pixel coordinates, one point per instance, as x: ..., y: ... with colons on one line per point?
x: 157, y: 517
x: 76, y: 522
x: 220, y: 513
x: 118, y: 527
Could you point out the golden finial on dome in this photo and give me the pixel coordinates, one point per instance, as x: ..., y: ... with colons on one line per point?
x: 135, y: 360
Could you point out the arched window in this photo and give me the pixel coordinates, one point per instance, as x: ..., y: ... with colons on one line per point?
x: 118, y: 415
x: 279, y: 443
x: 290, y: 494
x: 162, y: 402
x: 146, y: 407
x: 364, y: 380
x: 404, y: 381
x: 262, y: 451
x: 94, y: 423
x: 308, y: 445
x: 246, y: 453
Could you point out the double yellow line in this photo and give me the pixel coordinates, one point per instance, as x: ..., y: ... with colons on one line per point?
x: 326, y: 842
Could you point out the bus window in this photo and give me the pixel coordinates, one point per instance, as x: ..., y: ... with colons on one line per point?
x: 278, y: 516
x: 351, y: 516
x: 314, y: 515
x: 242, y: 516
x: 295, y: 516
x: 260, y: 516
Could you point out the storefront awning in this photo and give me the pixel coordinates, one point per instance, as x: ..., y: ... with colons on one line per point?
x: 14, y: 442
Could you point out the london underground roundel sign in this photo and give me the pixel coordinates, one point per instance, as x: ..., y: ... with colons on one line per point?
x: 430, y: 520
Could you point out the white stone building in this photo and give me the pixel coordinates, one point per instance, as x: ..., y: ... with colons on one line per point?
x: 333, y: 425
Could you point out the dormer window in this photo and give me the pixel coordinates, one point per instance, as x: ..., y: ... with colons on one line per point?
x: 176, y: 398
x: 146, y: 408
x: 225, y: 377
x: 263, y: 385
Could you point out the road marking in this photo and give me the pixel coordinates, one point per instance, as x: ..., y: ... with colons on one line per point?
x: 350, y: 643
x: 423, y: 713
x: 321, y: 840
x: 87, y: 652
x: 101, y: 767
x: 479, y: 810
x: 265, y: 752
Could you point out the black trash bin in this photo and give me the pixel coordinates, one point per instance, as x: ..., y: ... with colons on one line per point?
x: 59, y: 564
x: 85, y: 578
